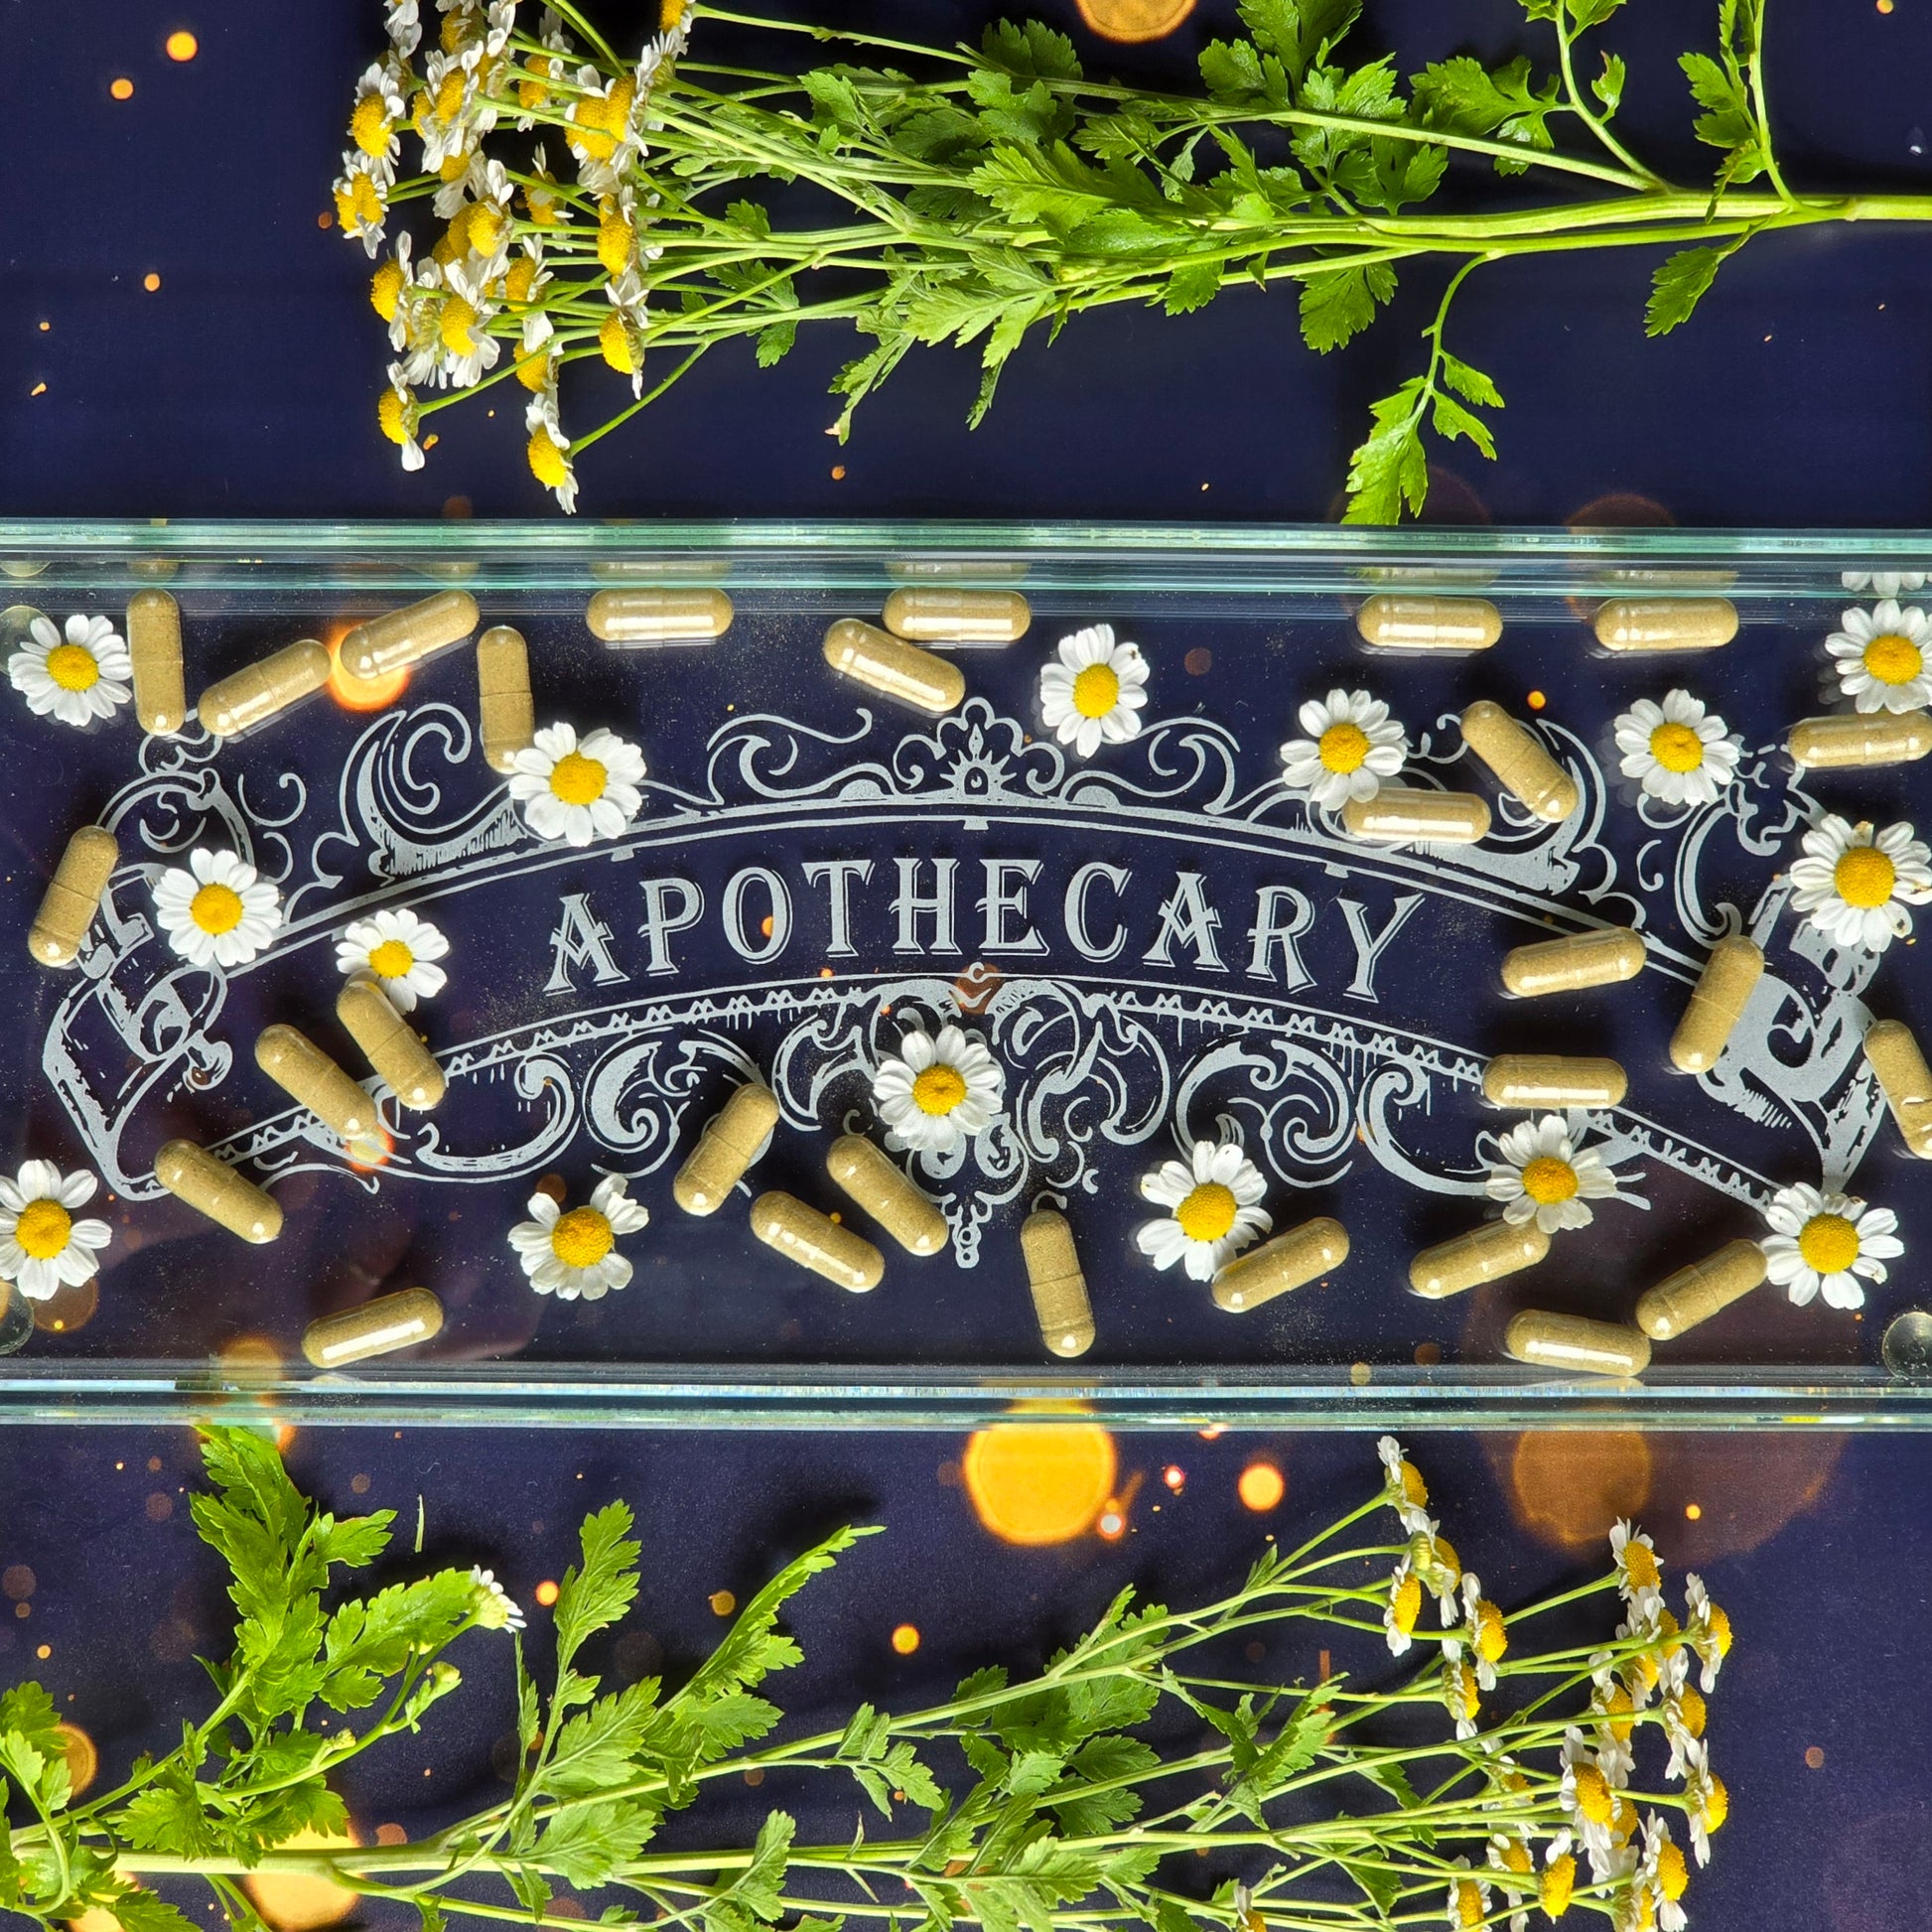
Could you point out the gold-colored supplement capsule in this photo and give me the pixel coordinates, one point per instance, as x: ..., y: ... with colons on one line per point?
x: 1397, y: 813
x: 1602, y: 958
x: 1428, y: 623
x: 1862, y: 738
x: 958, y: 617
x: 659, y: 616
x: 1697, y: 1293
x: 891, y: 665
x: 1060, y: 1289
x: 504, y: 706
x: 378, y: 1327
x: 1553, y: 1080
x: 1522, y: 766
x: 399, y: 637
x: 213, y: 1188
x: 1289, y: 1261
x: 878, y: 1185
x: 259, y: 691
x: 1895, y: 1058
x: 816, y: 1241
x: 390, y: 1044
x: 1577, y: 1344
x: 1666, y: 623
x: 309, y: 1076
x: 154, y: 648
x: 1484, y: 1254
x: 731, y: 1140
x: 74, y: 896
x: 1718, y: 1002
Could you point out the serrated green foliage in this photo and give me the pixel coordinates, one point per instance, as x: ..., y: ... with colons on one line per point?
x: 1722, y: 88
x: 1678, y: 285
x: 593, y: 1596
x: 1341, y: 303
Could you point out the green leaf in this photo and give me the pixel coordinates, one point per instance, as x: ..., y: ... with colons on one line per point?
x: 1383, y: 1886
x: 1389, y: 469
x: 585, y: 1844
x: 141, y: 1911
x: 1470, y: 382
x: 1030, y: 49
x: 29, y: 1711
x: 430, y: 1912
x: 593, y: 1751
x: 1592, y: 13
x: 354, y: 1541
x: 1193, y: 285
x: 594, y: 1598
x: 165, y: 1817
x: 774, y: 340
x: 1678, y: 285
x: 1449, y: 420
x: 1301, y: 32
x: 1235, y: 70
x: 1462, y: 96
x: 1340, y: 302
x: 1608, y: 85
x: 373, y: 1639
x: 759, y: 1887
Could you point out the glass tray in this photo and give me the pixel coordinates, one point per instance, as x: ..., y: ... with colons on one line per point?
x: 1158, y: 943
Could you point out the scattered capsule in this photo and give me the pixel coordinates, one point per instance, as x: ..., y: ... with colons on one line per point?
x: 1697, y: 1293
x: 504, y: 706
x: 378, y: 1327
x: 659, y: 616
x: 883, y: 1191
x: 399, y: 637
x: 1522, y: 766
x: 733, y: 1139
x: 1289, y: 1261
x: 1666, y: 623
x: 1060, y: 1289
x: 154, y: 648
x: 958, y: 617
x: 816, y: 1241
x: 1428, y: 623
x: 1573, y: 1342
x: 1484, y: 1254
x: 390, y: 1044
x: 1862, y: 738
x: 891, y: 665
x: 213, y: 1188
x: 309, y: 1076
x: 1399, y: 812
x: 258, y: 691
x: 74, y: 896
x: 1602, y: 958
x: 1895, y: 1058
x: 1718, y: 1002
x: 1553, y: 1080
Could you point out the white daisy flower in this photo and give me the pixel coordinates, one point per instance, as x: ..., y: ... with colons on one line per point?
x: 1515, y: 1866
x: 77, y: 679
x: 215, y: 910
x: 1589, y: 1802
x: 1854, y: 883
x: 1408, y: 1493
x: 1613, y: 1715
x: 1483, y: 1629
x: 1468, y: 1897
x: 397, y: 416
x: 398, y: 951
x: 1824, y: 1242
x: 1662, y: 1877
x: 577, y: 790
x: 1879, y: 656
x: 378, y: 107
x: 1679, y: 753
x: 1400, y: 1612
x: 495, y: 1609
x: 620, y: 340
x: 1352, y: 744
x: 1707, y: 1802
x: 573, y: 1254
x: 362, y: 196
x: 1706, y: 1629
x: 1093, y: 691
x: 938, y: 1091
x: 1639, y: 1579
x: 548, y: 448
x: 1213, y: 1200
x: 1884, y: 583
x: 463, y: 322
x: 42, y: 1246
x: 402, y: 25
x: 1461, y: 1695
x: 1683, y: 1712
x: 1546, y: 1178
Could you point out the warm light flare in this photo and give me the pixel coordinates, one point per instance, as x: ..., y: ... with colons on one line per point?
x: 360, y: 693
x: 1039, y: 1482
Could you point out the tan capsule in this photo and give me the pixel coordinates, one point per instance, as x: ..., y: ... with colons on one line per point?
x: 1577, y: 1344
x: 958, y: 617
x: 213, y: 1188
x: 883, y: 1191
x: 390, y: 1044
x: 1895, y: 1058
x: 816, y: 1241
x: 1484, y: 1254
x: 73, y: 897
x: 1289, y: 1261
x: 309, y: 1076
x: 1666, y: 623
x: 504, y: 706
x: 891, y: 665
x: 1060, y: 1289
x: 1602, y: 958
x: 1397, y: 813
x: 399, y: 637
x: 659, y: 616
x: 1862, y: 738
x: 258, y: 691
x: 378, y: 1327
x: 733, y: 1139
x: 1697, y: 1293
x: 1718, y: 1002
x: 1428, y: 623
x: 1522, y: 766
x: 1553, y: 1080
x: 154, y: 648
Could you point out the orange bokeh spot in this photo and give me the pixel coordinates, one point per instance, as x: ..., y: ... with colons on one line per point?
x: 84, y: 1761
x: 360, y: 693
x: 180, y: 44
x: 1569, y: 1487
x: 122, y: 88
x: 367, y: 1152
x: 294, y: 1902
x: 1262, y: 1486
x: 1038, y: 1483
x: 906, y: 1639
x: 1536, y: 700
x: 545, y: 1593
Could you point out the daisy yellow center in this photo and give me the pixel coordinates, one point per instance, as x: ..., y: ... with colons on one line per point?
x: 72, y: 667
x: 1717, y: 1803
x: 613, y: 343
x: 1547, y: 1180
x: 1405, y: 1604
x: 1443, y: 1554
x: 1829, y: 1243
x: 615, y: 241
x: 1673, y: 1874
x: 43, y: 1228
x: 1720, y: 1628
x: 454, y: 325
x: 542, y: 206
x: 449, y: 96
x: 1892, y: 659
x: 385, y: 290
x: 1096, y: 691
x: 581, y: 1238
x: 1677, y: 748
x: 486, y: 228
x: 576, y: 779
x: 1558, y: 1879
x: 1670, y: 1639
x: 938, y: 1090
x: 1865, y: 877
x: 1465, y: 1694
x: 392, y: 959
x: 1207, y: 1213
x: 1690, y: 1707
x: 1640, y: 1566
x: 522, y: 279
x: 216, y: 908
x: 1491, y: 1639
x: 1415, y: 1490
x: 546, y: 459
x: 1593, y: 1798
x: 1516, y: 1858
x: 358, y: 207
x: 454, y: 166
x: 1468, y: 1903
x: 534, y: 371
x: 369, y: 126
x: 1617, y: 1710
x: 1344, y: 748
x: 391, y: 416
